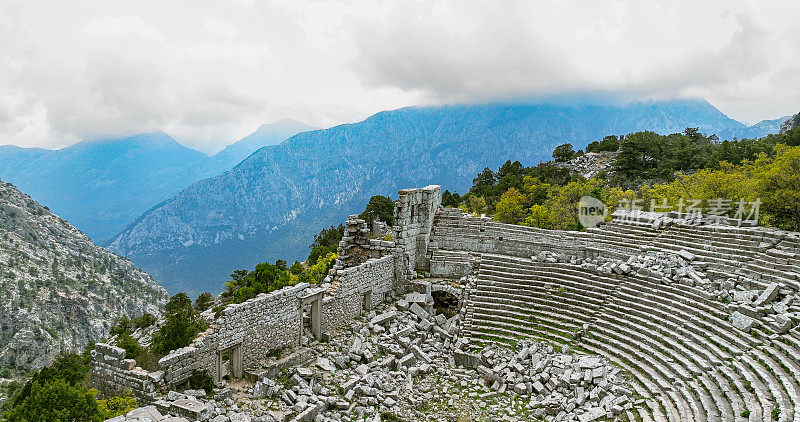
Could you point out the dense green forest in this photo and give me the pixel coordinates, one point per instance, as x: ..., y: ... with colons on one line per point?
x: 655, y: 171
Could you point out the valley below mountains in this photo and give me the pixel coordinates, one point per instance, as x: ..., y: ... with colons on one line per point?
x: 100, y: 186
x: 269, y: 206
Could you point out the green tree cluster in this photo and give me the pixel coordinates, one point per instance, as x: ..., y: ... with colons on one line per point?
x: 650, y: 168
x: 609, y: 143
x: 647, y: 157
x: 264, y: 278
x: 563, y: 153
x: 59, y: 393
x: 182, y: 323
x: 450, y: 199
x: 379, y: 208
x: 325, y: 242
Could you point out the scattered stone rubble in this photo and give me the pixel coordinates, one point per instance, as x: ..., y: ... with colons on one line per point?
x: 404, y: 361
x: 590, y: 164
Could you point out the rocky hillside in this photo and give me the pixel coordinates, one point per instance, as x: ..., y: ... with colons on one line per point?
x: 59, y: 290
x: 269, y: 206
x: 790, y: 123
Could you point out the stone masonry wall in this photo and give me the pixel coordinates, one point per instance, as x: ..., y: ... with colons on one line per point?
x: 113, y: 375
x: 455, y: 235
x: 267, y: 322
x: 357, y: 246
x: 414, y: 213
x: 366, y: 269
x: 346, y: 300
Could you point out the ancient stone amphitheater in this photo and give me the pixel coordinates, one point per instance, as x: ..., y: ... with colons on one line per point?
x: 702, y: 315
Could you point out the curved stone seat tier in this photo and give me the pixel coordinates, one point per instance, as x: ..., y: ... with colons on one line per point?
x: 686, y: 358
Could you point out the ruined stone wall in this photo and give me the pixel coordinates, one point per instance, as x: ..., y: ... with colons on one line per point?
x: 267, y: 322
x: 357, y: 245
x: 451, y: 264
x: 414, y: 213
x: 114, y: 375
x: 367, y: 271
x: 345, y: 300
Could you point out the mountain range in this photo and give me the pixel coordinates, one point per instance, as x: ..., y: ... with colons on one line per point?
x: 101, y: 186
x: 60, y: 291
x: 270, y: 205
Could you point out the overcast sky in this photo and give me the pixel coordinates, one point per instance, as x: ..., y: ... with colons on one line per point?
x: 208, y: 73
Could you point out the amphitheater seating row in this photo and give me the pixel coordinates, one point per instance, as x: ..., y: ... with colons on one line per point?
x: 687, y: 361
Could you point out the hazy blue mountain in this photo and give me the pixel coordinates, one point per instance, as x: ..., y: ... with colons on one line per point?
x: 102, y: 186
x: 271, y: 204
x: 265, y: 135
x: 766, y: 126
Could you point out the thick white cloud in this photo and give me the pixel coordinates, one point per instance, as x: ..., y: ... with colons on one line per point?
x: 738, y: 54
x: 208, y: 72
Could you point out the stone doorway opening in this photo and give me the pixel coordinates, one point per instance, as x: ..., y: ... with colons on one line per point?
x: 311, y: 316
x: 367, y: 305
x: 229, y: 363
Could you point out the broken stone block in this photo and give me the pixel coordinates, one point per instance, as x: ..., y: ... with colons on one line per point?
x: 744, y: 295
x: 422, y: 356
x: 325, y: 364
x: 147, y: 412
x: 305, y: 372
x: 418, y: 311
x: 742, y: 321
x: 686, y: 255
x: 191, y: 409
x: 407, y: 361
x: 592, y: 414
x: 782, y: 324
x: 259, y: 391
x: 465, y: 359
x: 589, y: 362
x: 768, y: 295
x: 383, y: 318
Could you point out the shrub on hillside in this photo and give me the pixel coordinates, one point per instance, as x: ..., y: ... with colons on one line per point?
x: 607, y: 144
x: 182, y: 323
x: 204, y: 301
x: 144, y: 321
x: 379, y: 208
x: 563, y: 153
x: 325, y: 242
x: 451, y: 199
x: 201, y: 380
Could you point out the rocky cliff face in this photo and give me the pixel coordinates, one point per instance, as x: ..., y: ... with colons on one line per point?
x: 59, y: 290
x: 791, y: 122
